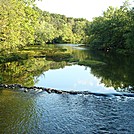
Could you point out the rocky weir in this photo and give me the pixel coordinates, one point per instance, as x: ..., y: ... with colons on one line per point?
x: 51, y: 90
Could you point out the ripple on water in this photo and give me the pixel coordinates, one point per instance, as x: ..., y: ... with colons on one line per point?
x: 65, y: 114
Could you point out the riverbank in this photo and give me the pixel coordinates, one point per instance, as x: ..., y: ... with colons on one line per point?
x: 48, y: 52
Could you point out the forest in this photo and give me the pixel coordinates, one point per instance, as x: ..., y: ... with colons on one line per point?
x: 23, y: 25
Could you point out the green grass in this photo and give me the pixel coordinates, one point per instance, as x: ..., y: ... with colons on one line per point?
x: 91, y: 63
x: 59, y: 56
x: 50, y: 52
x: 73, y: 60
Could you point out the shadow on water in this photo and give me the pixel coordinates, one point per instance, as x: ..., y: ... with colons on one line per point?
x: 118, y: 71
x: 114, y: 70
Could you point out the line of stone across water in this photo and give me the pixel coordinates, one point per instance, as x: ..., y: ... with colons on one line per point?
x: 51, y: 90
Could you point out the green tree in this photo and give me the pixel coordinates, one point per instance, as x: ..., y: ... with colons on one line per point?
x: 113, y: 30
x: 79, y: 31
x: 17, y: 25
x: 130, y: 32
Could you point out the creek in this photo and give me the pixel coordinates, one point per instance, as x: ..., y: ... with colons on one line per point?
x: 39, y: 112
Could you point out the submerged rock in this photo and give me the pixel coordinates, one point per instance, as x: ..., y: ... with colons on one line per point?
x: 25, y: 90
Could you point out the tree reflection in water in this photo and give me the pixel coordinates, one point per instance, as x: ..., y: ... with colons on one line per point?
x: 117, y: 71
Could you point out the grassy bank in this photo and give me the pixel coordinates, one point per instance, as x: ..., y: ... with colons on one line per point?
x: 49, y: 52
x: 91, y: 63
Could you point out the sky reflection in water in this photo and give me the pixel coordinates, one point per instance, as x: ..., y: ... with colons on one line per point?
x: 75, y: 77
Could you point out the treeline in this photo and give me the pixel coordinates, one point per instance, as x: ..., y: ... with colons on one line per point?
x: 23, y: 24
x: 114, y: 30
x: 56, y: 28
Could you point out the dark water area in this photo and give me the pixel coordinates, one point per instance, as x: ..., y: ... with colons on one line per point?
x: 37, y: 112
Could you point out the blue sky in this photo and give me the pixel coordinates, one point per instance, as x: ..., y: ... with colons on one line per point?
x: 79, y: 8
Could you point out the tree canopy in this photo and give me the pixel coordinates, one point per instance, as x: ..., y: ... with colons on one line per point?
x: 114, y: 30
x: 17, y: 24
x: 23, y: 24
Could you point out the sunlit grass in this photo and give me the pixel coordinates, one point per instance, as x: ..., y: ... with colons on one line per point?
x: 91, y: 63
x: 49, y: 51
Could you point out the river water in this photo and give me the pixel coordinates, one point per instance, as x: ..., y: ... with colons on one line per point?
x: 37, y: 112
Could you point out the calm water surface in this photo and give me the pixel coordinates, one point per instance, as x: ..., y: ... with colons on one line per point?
x: 38, y: 112
x: 75, y: 77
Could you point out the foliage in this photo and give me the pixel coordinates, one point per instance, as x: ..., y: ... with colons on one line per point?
x: 114, y: 30
x: 56, y: 28
x: 23, y: 24
x: 18, y: 23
